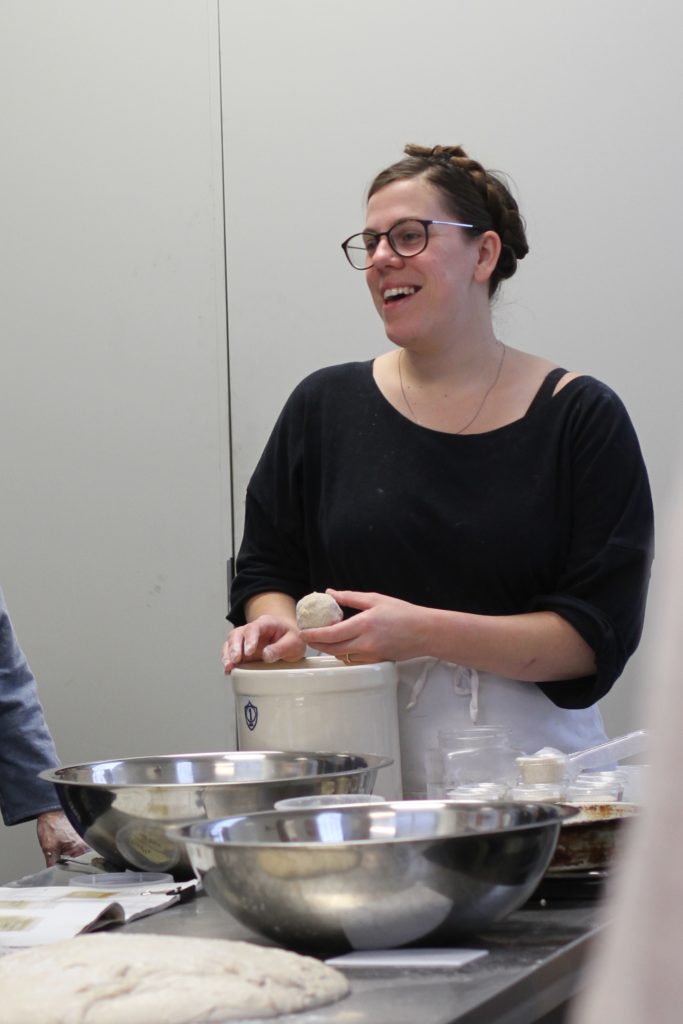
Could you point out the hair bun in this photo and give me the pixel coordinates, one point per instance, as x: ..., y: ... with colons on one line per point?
x: 435, y: 152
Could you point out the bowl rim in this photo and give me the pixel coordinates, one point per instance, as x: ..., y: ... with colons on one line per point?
x: 182, y: 831
x: 319, y: 663
x: 373, y: 762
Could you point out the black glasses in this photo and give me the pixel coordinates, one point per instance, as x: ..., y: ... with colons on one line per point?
x: 407, y: 237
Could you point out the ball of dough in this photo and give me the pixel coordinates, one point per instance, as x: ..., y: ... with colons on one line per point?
x: 317, y: 610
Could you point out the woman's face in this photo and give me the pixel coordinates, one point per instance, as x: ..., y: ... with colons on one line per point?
x: 445, y: 291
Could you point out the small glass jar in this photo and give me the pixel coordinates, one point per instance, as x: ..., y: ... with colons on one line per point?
x: 548, y: 767
x: 434, y: 773
x: 322, y: 800
x: 596, y: 788
x: 478, y: 791
x: 476, y: 755
x: 540, y: 792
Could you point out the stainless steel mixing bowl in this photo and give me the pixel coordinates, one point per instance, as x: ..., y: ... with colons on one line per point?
x: 121, y: 807
x: 375, y: 875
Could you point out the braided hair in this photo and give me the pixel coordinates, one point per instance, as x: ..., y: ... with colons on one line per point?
x: 472, y: 194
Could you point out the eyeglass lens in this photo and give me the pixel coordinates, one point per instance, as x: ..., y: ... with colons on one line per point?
x: 407, y: 238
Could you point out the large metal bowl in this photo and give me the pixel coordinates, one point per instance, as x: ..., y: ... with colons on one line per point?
x: 375, y: 875
x: 121, y: 807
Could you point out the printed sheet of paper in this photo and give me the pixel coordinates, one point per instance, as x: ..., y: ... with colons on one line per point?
x: 34, y: 916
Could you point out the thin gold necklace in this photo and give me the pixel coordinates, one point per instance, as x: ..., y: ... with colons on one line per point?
x: 481, y: 404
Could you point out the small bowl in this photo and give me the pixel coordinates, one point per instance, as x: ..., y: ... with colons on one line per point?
x: 294, y: 803
x: 374, y: 875
x: 121, y: 807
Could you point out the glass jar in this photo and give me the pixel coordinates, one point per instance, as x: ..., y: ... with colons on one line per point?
x: 477, y: 755
x: 479, y: 791
x: 544, y: 792
x: 548, y: 766
x: 596, y: 788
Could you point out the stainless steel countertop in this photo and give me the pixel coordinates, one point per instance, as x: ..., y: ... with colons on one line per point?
x: 533, y: 965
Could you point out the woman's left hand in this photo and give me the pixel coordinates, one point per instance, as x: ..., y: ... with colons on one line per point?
x: 385, y: 629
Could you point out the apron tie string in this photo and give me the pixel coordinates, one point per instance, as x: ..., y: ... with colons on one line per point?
x: 419, y: 684
x: 465, y: 683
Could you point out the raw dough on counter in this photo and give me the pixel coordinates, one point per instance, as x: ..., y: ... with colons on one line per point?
x: 159, y: 979
x: 315, y: 610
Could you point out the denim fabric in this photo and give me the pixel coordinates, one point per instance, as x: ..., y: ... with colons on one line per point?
x: 26, y: 746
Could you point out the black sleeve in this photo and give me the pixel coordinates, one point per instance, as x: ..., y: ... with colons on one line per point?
x: 273, y: 555
x: 603, y: 587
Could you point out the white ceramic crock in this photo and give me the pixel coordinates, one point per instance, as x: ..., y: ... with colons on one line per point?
x: 320, y: 703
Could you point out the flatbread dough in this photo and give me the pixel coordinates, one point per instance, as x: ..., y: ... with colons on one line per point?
x: 315, y: 610
x: 159, y: 979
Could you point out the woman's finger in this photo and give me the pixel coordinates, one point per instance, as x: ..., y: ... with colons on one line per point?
x: 351, y: 640
x: 253, y: 635
x: 232, y: 650
x: 353, y: 598
x: 288, y: 648
x: 339, y: 633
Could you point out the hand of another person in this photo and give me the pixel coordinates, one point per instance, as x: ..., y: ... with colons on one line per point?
x: 57, y: 838
x: 265, y: 639
x: 385, y: 629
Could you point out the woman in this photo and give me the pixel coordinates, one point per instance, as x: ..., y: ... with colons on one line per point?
x: 483, y: 516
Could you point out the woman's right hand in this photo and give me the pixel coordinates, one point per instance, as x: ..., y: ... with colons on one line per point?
x: 266, y: 638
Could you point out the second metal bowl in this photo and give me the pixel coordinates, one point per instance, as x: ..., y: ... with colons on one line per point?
x: 375, y: 875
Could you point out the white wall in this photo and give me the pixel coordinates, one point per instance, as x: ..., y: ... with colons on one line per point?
x: 578, y: 102
x: 114, y: 468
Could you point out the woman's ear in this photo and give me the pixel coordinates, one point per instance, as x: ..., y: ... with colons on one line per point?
x: 489, y: 250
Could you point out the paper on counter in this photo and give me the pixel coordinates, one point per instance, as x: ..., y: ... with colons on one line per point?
x: 407, y: 958
x: 37, y: 915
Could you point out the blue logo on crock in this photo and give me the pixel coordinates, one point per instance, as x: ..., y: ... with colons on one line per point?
x: 250, y: 715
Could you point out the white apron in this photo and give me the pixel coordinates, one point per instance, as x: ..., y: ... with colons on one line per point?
x: 434, y: 695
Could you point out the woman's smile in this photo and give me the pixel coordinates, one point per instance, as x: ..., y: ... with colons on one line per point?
x: 396, y: 295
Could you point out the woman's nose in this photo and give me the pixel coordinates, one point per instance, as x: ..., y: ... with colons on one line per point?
x: 384, y: 253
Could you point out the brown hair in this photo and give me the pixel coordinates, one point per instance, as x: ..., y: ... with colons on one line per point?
x: 472, y: 194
